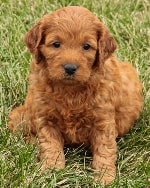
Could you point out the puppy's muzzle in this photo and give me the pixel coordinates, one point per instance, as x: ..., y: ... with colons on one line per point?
x: 70, y: 69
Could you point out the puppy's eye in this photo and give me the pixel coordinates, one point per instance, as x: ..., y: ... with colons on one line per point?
x: 86, y: 46
x: 56, y: 44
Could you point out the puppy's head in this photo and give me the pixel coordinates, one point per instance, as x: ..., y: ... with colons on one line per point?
x: 71, y: 42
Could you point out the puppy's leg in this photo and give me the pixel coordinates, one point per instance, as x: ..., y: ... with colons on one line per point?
x: 51, y: 148
x: 16, y: 119
x: 104, y: 152
x: 18, y: 123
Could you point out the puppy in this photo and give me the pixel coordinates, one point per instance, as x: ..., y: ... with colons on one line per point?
x: 78, y: 93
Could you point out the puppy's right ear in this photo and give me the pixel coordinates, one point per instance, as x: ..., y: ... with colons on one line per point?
x: 32, y: 39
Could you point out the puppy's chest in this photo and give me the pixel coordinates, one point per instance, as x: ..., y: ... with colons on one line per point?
x: 76, y: 125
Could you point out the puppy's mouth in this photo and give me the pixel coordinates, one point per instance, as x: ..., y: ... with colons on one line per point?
x: 69, y: 79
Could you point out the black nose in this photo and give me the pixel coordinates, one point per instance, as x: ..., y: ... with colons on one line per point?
x: 70, y: 69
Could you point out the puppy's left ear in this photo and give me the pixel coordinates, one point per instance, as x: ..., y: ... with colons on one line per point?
x: 106, y: 44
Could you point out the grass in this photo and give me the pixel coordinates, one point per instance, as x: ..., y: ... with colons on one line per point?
x: 129, y: 22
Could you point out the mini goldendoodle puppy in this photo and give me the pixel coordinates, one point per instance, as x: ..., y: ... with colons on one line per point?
x: 78, y: 93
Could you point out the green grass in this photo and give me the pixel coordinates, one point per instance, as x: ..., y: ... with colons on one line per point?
x: 129, y: 22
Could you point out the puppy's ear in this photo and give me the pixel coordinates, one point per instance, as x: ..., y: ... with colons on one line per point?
x: 32, y: 39
x: 106, y: 45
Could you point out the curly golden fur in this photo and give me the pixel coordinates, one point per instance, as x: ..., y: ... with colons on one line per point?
x: 79, y: 93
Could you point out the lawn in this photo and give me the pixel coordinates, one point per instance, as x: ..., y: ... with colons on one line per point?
x: 129, y: 22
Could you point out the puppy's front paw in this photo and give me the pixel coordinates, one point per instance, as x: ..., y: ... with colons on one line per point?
x: 48, y: 164
x: 103, y: 173
x: 104, y: 177
x: 56, y: 161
